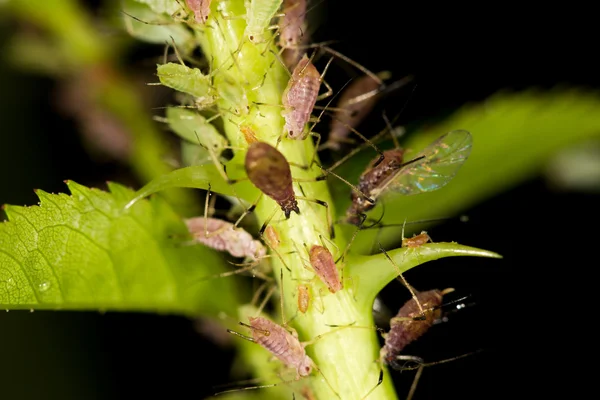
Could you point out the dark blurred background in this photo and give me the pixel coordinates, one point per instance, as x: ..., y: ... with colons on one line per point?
x: 531, y: 309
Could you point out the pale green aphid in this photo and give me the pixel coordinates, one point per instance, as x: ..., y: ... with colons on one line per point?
x: 188, y: 80
x: 233, y: 93
x: 161, y: 29
x: 196, y: 129
x: 259, y: 14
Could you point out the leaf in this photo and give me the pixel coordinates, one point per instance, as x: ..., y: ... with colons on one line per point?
x: 405, y: 258
x: 514, y: 135
x: 85, y: 251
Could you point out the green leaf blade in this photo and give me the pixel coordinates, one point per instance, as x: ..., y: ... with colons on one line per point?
x: 405, y: 259
x: 85, y: 251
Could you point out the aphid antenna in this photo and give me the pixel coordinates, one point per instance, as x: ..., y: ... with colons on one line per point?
x: 324, y: 46
x: 403, y: 280
x: 421, y: 364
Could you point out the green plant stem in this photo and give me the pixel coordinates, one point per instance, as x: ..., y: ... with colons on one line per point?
x: 345, y: 356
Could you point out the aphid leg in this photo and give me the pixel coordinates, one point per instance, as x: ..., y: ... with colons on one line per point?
x: 258, y: 292
x: 330, y: 226
x: 403, y: 280
x: 267, y: 298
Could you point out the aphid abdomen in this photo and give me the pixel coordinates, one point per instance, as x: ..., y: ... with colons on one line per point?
x: 258, y: 17
x: 299, y: 98
x: 404, y: 332
x: 282, y: 344
x: 290, y: 24
x: 322, y: 262
x: 354, y: 113
x: 270, y: 172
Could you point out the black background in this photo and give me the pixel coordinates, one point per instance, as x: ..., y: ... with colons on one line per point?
x: 533, y: 309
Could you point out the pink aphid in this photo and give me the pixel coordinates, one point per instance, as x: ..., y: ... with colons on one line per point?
x: 282, y: 344
x: 299, y: 98
x: 324, y: 266
x: 223, y: 237
x: 291, y: 23
x: 200, y: 8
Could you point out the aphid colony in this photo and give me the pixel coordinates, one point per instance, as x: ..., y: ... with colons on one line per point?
x: 267, y: 168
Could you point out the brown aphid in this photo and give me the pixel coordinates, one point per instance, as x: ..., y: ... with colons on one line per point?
x: 408, y: 325
x: 282, y: 344
x: 324, y: 266
x: 200, y: 8
x: 270, y: 172
x: 371, y: 179
x: 429, y: 170
x: 303, y: 298
x: 299, y: 98
x: 350, y: 114
x: 416, y: 241
x: 235, y: 241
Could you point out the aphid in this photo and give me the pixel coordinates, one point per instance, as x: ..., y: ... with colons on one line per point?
x: 194, y: 128
x: 407, y: 326
x: 430, y: 170
x: 272, y: 237
x: 416, y: 241
x: 235, y: 241
x: 291, y: 23
x: 303, y: 298
x: 165, y: 26
x: 300, y: 96
x: 283, y: 344
x: 259, y: 14
x: 355, y: 112
x: 270, y: 172
x: 324, y: 266
x: 200, y: 8
x: 188, y: 80
x: 292, y: 31
x: 248, y: 133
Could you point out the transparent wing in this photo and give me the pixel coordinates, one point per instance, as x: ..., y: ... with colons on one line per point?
x: 434, y: 168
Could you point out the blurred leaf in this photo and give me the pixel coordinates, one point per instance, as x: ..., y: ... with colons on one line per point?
x: 514, y: 135
x: 85, y: 252
x: 576, y: 168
